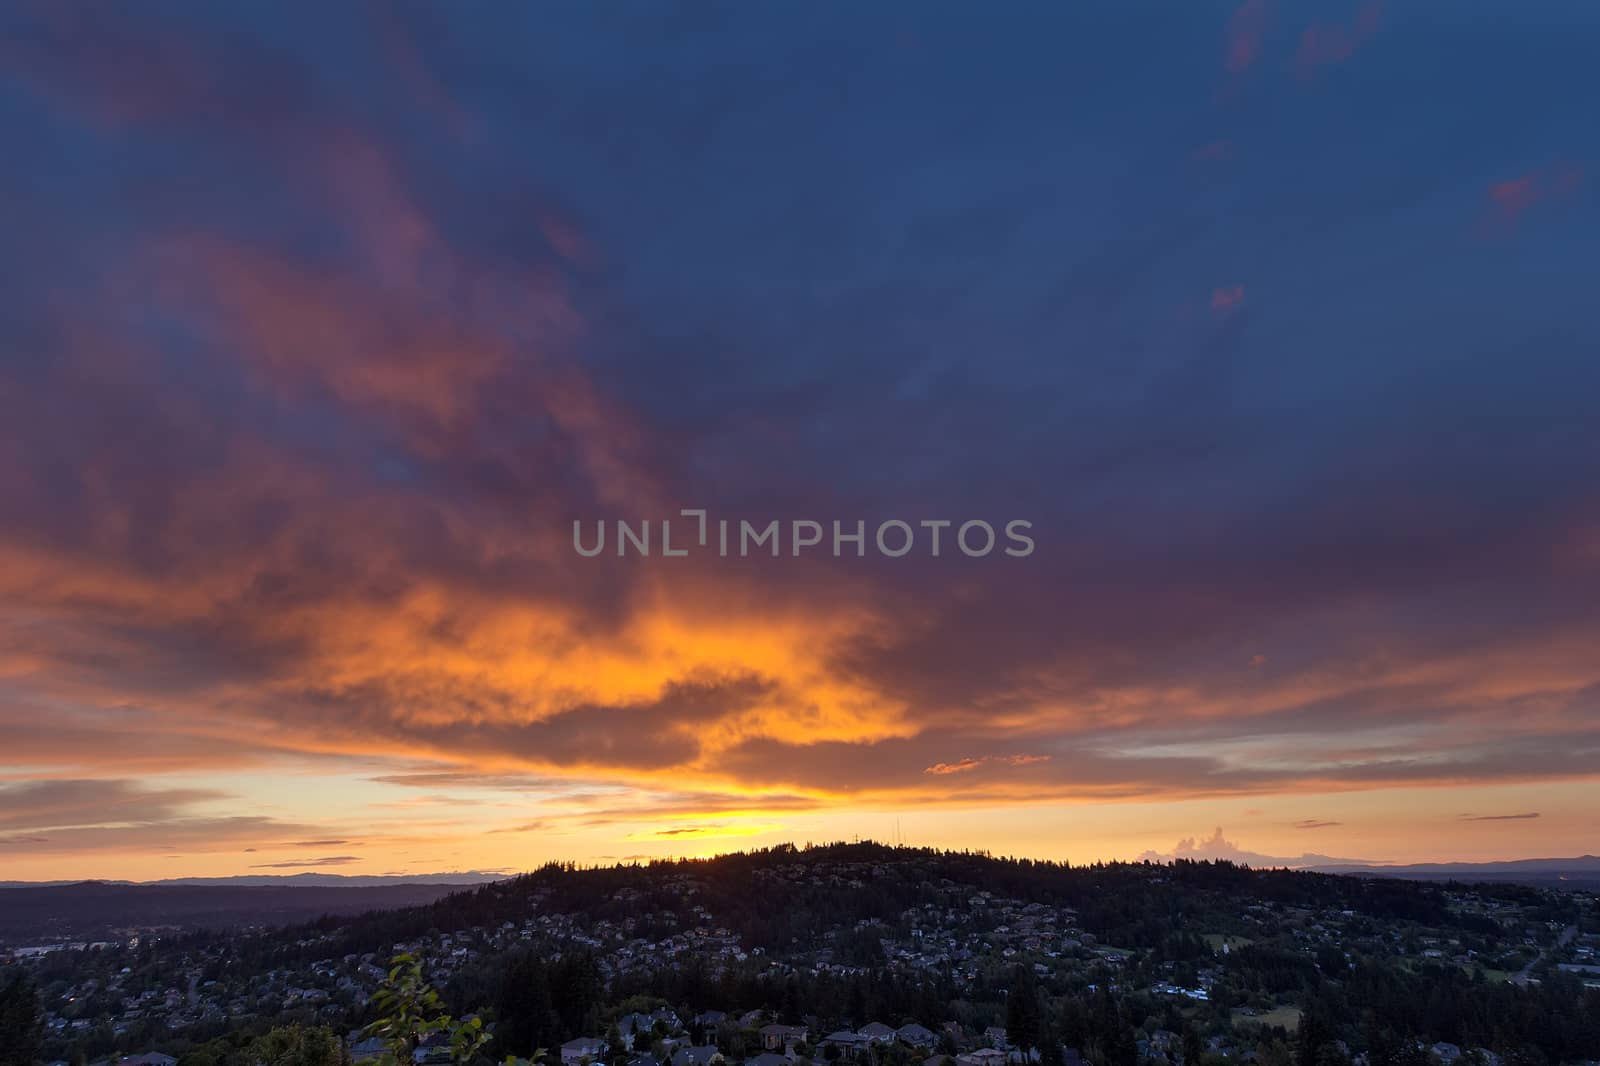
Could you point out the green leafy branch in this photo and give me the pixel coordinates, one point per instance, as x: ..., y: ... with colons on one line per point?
x: 410, y: 1010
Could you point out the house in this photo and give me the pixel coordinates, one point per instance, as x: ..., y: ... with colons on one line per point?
x: 984, y: 1056
x: 996, y: 1036
x: 777, y: 1037
x: 711, y: 1022
x: 916, y: 1035
x: 878, y: 1033
x: 850, y: 1044
x: 368, y: 1049
x: 636, y: 1029
x: 703, y: 1055
x: 584, y: 1047
x: 432, y: 1050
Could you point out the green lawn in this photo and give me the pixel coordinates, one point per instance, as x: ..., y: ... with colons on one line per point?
x: 1215, y: 941
x: 1288, y: 1017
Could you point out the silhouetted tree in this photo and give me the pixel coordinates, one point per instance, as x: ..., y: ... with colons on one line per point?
x: 525, y: 1015
x: 1023, y: 1015
x: 19, y: 1024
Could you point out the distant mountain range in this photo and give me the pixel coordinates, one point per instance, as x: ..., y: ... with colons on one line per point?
x: 32, y: 914
x: 1580, y: 872
x: 464, y: 877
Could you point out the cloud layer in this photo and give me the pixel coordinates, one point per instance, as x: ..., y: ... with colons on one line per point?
x: 315, y: 344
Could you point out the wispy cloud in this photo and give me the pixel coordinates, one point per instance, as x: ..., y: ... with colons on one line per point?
x: 1246, y: 28
x: 965, y: 765
x: 705, y: 832
x: 1511, y: 198
x: 329, y: 860
x: 1224, y: 299
x: 1325, y: 44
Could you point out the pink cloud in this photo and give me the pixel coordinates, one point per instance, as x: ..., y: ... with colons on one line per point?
x: 1227, y: 299
x: 567, y: 240
x: 1516, y: 195
x: 1510, y: 199
x: 1325, y: 44
x: 1245, y: 30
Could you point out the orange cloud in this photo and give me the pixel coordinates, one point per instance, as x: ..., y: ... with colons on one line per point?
x: 965, y: 765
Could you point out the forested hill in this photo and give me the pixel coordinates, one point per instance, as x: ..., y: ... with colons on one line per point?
x: 786, y: 898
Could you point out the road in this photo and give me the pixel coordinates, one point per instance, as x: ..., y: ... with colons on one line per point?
x: 1523, y: 976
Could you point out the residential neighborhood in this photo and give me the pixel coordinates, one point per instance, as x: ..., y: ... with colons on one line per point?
x: 1237, y: 973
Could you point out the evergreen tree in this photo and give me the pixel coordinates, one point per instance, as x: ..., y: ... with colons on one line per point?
x: 1309, y: 1039
x: 526, y: 1019
x: 576, y: 988
x: 1124, y: 1049
x: 19, y: 1024
x: 1023, y: 1016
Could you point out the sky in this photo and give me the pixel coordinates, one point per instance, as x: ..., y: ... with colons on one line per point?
x: 320, y: 328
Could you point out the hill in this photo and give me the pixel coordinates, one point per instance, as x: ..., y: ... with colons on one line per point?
x: 99, y: 910
x: 1113, y: 961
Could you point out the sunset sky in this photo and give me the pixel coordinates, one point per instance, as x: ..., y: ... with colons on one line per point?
x: 1277, y: 322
